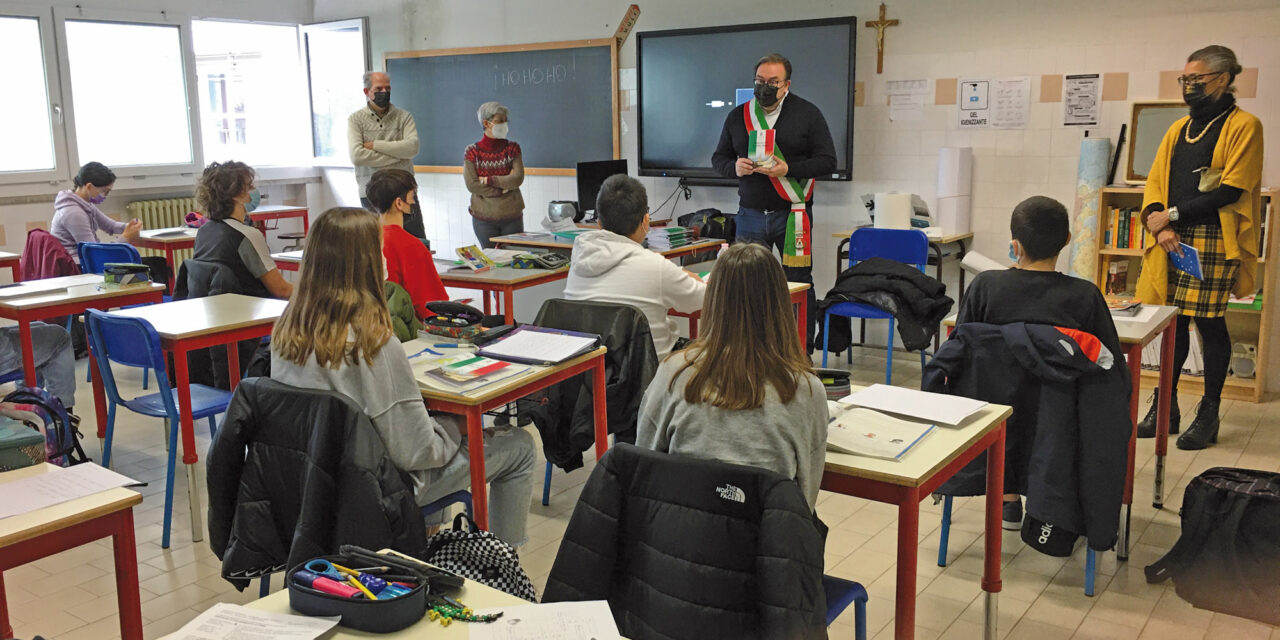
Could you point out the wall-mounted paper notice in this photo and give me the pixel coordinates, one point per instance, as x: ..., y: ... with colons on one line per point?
x: 1081, y: 99
x: 994, y: 103
x: 907, y: 88
x: 906, y: 108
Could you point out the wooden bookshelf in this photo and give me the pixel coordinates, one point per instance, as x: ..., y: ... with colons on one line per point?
x: 1249, y: 325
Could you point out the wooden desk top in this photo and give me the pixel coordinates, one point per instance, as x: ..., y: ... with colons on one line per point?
x: 88, y: 287
x: 62, y: 515
x: 926, y: 458
x: 501, y: 275
x: 708, y: 266
x: 168, y: 235
x: 494, y: 390
x: 182, y: 319
x: 473, y: 594
x: 552, y: 242
x: 276, y: 208
x: 5, y: 256
x: 945, y: 239
x: 1135, y: 332
x: 1130, y: 332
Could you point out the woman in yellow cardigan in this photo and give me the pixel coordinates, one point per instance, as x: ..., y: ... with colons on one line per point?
x: 1203, y: 190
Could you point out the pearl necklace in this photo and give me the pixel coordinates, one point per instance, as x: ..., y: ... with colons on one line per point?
x: 1186, y: 133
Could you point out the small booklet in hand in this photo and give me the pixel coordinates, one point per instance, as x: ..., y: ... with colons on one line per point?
x: 1188, y: 262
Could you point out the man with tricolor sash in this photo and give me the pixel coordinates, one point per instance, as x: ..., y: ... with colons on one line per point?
x: 776, y: 145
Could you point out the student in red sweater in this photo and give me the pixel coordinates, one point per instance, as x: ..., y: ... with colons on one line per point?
x: 409, y: 263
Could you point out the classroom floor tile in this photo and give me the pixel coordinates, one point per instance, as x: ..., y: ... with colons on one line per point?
x: 71, y: 596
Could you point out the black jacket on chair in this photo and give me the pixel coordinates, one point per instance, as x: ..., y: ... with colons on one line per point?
x: 200, y: 279
x: 1066, y: 444
x: 697, y: 549
x: 564, y: 418
x: 293, y: 474
x: 918, y: 302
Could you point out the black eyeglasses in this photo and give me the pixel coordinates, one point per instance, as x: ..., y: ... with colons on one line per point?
x: 1197, y: 78
x: 776, y: 84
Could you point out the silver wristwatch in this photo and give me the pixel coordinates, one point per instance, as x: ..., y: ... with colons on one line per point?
x: 1173, y: 214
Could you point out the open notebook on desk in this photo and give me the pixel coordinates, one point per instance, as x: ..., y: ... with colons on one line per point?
x: 539, y: 345
x: 930, y: 407
x: 866, y: 432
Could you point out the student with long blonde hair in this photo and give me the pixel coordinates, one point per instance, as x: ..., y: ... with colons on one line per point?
x: 336, y: 335
x: 744, y: 392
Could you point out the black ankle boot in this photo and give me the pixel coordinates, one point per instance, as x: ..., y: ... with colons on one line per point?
x: 1147, y: 428
x: 1204, y: 429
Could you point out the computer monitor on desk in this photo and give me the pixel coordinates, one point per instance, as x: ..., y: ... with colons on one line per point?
x: 590, y: 176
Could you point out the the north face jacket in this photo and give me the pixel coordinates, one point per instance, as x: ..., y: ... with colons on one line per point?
x: 693, y: 549
x: 293, y: 474
x: 1066, y: 444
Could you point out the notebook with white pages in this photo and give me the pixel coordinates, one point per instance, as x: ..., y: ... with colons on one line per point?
x: 931, y: 407
x: 865, y: 432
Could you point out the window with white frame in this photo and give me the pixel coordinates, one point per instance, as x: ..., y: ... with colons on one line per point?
x: 337, y: 55
x: 128, y: 93
x: 30, y: 143
x: 252, y: 102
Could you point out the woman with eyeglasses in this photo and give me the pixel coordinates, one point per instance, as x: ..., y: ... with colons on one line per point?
x: 76, y: 216
x: 1203, y: 191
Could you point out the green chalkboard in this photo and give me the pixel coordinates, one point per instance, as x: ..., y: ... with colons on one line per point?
x: 562, y: 97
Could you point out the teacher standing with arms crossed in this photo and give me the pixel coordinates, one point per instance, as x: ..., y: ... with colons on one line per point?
x: 383, y: 136
x: 1204, y: 190
x: 775, y: 145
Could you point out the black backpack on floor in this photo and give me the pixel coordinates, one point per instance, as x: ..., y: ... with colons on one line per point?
x: 1228, y: 557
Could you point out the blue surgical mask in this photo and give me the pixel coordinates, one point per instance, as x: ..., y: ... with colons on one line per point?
x: 1013, y: 255
x: 254, y: 199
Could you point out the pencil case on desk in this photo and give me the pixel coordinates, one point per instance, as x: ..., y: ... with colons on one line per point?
x: 119, y: 274
x: 384, y: 615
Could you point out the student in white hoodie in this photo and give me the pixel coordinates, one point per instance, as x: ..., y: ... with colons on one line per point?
x: 612, y: 264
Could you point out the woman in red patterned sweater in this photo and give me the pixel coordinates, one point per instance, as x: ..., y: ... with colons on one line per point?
x: 494, y: 170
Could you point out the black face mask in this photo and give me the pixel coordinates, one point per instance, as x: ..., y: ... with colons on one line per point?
x: 767, y: 95
x: 382, y: 99
x: 1195, y: 96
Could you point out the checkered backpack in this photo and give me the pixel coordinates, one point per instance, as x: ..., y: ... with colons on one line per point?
x: 479, y: 555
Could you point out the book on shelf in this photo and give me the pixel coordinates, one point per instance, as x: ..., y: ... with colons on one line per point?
x: 1117, y: 277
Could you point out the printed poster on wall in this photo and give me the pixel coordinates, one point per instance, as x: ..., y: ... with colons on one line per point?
x: 994, y: 103
x: 1081, y: 100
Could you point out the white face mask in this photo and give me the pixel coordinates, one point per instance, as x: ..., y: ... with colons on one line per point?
x: 498, y: 131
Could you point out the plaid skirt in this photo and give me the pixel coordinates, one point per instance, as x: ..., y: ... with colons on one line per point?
x: 1204, y: 298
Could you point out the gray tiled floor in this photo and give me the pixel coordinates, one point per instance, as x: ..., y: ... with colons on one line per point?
x: 71, y: 596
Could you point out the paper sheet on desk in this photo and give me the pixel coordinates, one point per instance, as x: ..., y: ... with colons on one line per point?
x: 225, y: 621
x: 929, y: 407
x: 63, y: 485
x: 560, y: 621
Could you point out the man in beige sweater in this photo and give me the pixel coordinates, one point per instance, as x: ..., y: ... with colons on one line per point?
x: 382, y: 136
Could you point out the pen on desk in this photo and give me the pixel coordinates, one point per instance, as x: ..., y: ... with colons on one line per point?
x: 426, y: 350
x: 446, y: 345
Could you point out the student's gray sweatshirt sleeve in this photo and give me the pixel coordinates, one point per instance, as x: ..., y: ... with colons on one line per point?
x: 414, y: 440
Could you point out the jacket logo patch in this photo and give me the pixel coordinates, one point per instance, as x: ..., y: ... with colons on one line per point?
x: 1046, y: 530
x: 1066, y: 346
x: 731, y: 493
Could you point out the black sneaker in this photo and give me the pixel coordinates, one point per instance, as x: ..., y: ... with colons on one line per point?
x: 1011, y: 515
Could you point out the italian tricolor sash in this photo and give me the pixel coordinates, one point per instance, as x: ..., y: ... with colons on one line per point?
x: 761, y: 146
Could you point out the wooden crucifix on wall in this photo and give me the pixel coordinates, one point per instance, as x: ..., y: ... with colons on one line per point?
x: 880, y: 25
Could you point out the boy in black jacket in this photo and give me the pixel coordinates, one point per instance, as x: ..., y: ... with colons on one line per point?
x: 1033, y: 291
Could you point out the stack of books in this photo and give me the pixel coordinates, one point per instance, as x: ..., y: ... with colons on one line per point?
x: 467, y: 373
x: 664, y: 238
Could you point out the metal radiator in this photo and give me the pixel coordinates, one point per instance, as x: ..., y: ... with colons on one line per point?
x: 161, y: 214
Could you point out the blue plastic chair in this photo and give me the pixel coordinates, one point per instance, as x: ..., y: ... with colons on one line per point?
x: 94, y: 257
x: 464, y: 497
x: 134, y: 342
x: 840, y: 594
x: 903, y: 245
x: 1090, y: 556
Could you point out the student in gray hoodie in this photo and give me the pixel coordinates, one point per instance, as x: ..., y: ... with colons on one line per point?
x: 336, y: 335
x: 612, y: 264
x: 76, y: 216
